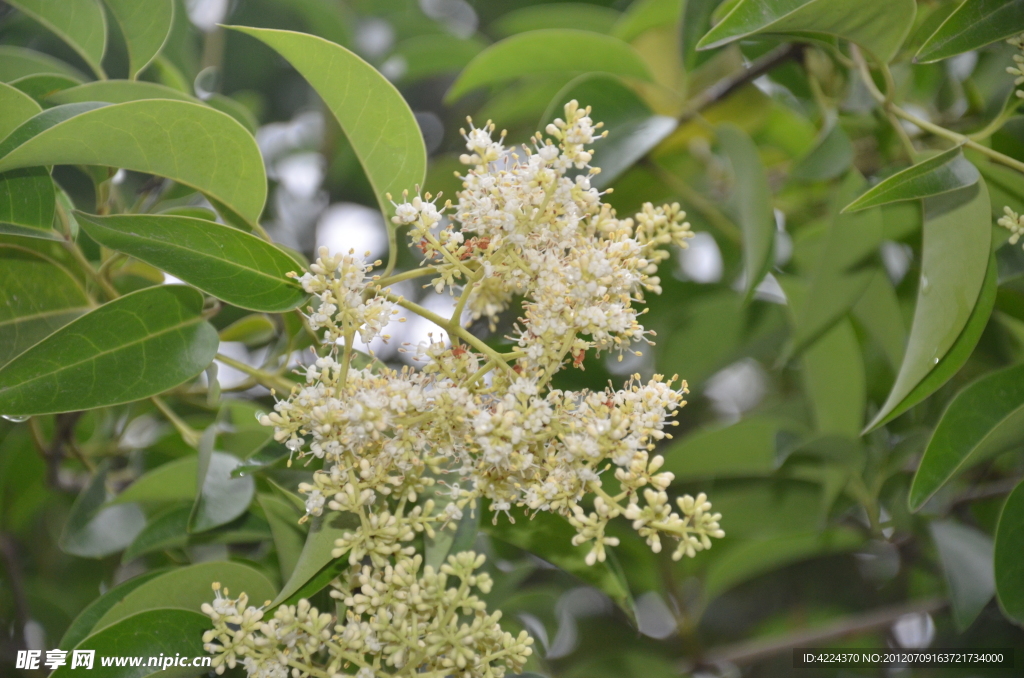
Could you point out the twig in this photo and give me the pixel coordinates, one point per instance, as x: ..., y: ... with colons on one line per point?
x: 753, y: 651
x: 996, y: 488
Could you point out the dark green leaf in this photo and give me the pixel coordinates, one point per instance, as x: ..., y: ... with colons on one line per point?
x: 957, y: 233
x: 830, y: 158
x: 187, y: 588
x: 750, y: 447
x: 133, y: 347
x: 116, y: 92
x: 222, y: 497
x: 79, y: 23
x: 229, y: 264
x: 1009, y: 566
x: 169, y: 530
x: 153, y: 633
x: 833, y: 373
x: 289, y: 534
x: 87, y: 618
x: 878, y: 312
x: 173, y: 481
x: 37, y: 296
x: 966, y: 556
x: 751, y: 201
x: 879, y: 26
x: 974, y: 24
x: 945, y: 172
x: 984, y: 419
x: 94, y: 530
x: 316, y: 566
x: 145, y: 25
x: 633, y: 129
x: 387, y: 141
x: 190, y: 143
x: 27, y: 199
x: 552, y: 50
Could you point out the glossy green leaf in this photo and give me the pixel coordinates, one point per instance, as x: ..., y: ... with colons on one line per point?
x: 749, y: 559
x: 316, y: 567
x: 173, y: 481
x: 957, y: 233
x: 376, y: 119
x: 86, y: 620
x: 229, y: 264
x: 146, y: 25
x: 552, y: 50
x: 153, y: 633
x: 252, y: 330
x: 830, y: 158
x: 94, y: 530
x: 974, y: 24
x: 17, y: 62
x: 580, y: 16
x: 189, y: 143
x: 117, y: 92
x: 222, y: 497
x: 840, y: 274
x: 966, y: 556
x: 79, y: 23
x: 751, y: 202
x: 879, y: 26
x: 37, y: 296
x: 961, y: 350
x: 133, y: 347
x: 633, y: 129
x: 834, y: 380
x: 1009, y: 566
x: 289, y: 534
x: 750, y: 447
x: 187, y: 588
x: 15, y: 108
x: 945, y: 172
x: 984, y: 419
x: 549, y: 536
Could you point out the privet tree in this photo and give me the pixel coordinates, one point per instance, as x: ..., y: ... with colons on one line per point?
x: 268, y: 462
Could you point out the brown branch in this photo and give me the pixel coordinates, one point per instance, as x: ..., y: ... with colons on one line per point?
x: 749, y: 652
x: 726, y: 86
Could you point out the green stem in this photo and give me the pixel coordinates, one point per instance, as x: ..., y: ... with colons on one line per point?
x: 262, y: 377
x: 406, y: 275
x: 187, y: 433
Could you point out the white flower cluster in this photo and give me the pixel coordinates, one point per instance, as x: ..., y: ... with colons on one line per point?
x: 1018, y: 59
x: 1013, y: 222
x: 478, y: 427
x: 397, y: 622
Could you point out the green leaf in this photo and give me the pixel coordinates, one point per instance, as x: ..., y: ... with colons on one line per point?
x: 751, y: 447
x: 549, y: 536
x: 376, y: 119
x: 840, y: 275
x: 27, y: 199
x: 173, y: 481
x: 751, y: 202
x: 146, y: 25
x: 41, y: 85
x: 187, y: 588
x: 966, y: 556
x: 163, y: 632
x: 15, y: 108
x: 289, y: 534
x: 229, y: 264
x: 879, y: 26
x: 645, y: 15
x: 222, y: 497
x: 79, y: 23
x: 831, y: 156
x: 252, y: 330
x: 945, y: 172
x: 551, y: 50
x: 169, y: 530
x: 633, y: 129
x: 86, y: 620
x: 1009, y: 566
x: 580, y: 16
x: 973, y: 24
x: 878, y: 312
x: 134, y: 347
x: 834, y: 381
x: 189, y: 143
x: 984, y: 419
x: 17, y: 62
x: 94, y: 530
x: 425, y: 56
x: 37, y: 296
x: 957, y: 232
x: 117, y: 92
x: 316, y: 567
x: 749, y: 559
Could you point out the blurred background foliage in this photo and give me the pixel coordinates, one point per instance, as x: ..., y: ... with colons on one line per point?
x: 789, y: 318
